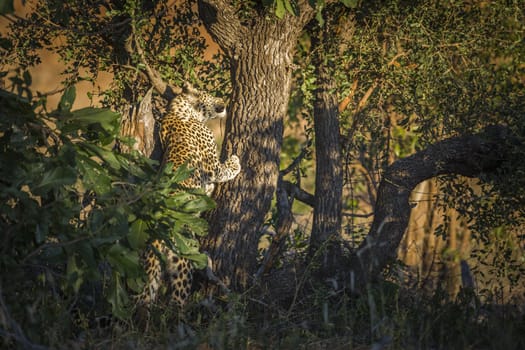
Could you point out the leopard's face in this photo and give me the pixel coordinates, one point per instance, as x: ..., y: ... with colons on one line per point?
x: 197, y: 105
x: 210, y: 107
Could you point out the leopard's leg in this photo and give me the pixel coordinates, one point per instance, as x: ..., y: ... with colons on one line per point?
x: 153, y: 270
x: 180, y: 276
x: 227, y: 170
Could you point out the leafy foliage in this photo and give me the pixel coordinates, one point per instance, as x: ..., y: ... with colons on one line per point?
x: 76, y: 215
x: 97, y: 37
x: 409, y: 75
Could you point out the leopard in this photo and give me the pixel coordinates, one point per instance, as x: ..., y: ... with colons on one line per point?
x: 186, y: 139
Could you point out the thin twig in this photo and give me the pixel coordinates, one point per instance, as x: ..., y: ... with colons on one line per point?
x: 296, y: 161
x: 56, y: 245
x: 393, y: 60
x: 346, y: 101
x: 364, y: 100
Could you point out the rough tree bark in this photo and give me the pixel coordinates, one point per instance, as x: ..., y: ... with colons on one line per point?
x: 260, y: 49
x: 469, y: 155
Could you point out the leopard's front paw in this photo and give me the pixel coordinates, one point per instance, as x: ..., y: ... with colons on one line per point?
x: 234, y: 166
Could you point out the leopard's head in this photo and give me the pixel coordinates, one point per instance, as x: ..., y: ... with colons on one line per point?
x: 200, y: 105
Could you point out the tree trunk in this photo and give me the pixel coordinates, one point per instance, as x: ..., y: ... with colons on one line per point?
x: 325, y: 242
x: 139, y: 123
x: 261, y: 55
x: 468, y: 155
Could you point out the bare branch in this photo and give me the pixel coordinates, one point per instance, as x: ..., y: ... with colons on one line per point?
x: 165, y: 90
x: 357, y: 116
x: 393, y: 61
x: 53, y: 245
x: 299, y: 193
x: 141, y: 126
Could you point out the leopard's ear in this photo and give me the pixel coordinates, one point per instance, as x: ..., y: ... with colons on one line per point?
x: 188, y: 89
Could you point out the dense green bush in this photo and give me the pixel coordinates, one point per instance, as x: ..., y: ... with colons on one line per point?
x: 75, y: 215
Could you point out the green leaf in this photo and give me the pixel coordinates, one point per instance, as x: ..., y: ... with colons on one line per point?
x: 15, y: 107
x: 280, y: 9
x: 39, y: 235
x: 197, y: 225
x: 27, y: 78
x: 83, y: 117
x: 178, y: 175
x: 198, y: 204
x: 118, y: 298
x: 93, y: 176
x: 67, y: 99
x: 200, y: 260
x: 135, y: 284
x: 125, y: 261
x: 185, y: 245
x: 319, y: 17
x: 291, y: 7
x: 189, y: 202
x: 319, y: 6
x: 55, y: 178
x: 137, y: 235
x: 103, y: 154
x: 350, y: 3
x: 176, y: 200
x: 74, y: 273
x: 85, y: 250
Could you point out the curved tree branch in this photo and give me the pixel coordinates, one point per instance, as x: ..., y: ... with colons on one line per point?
x: 469, y: 155
x: 298, y: 193
x: 164, y: 89
x: 222, y: 23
